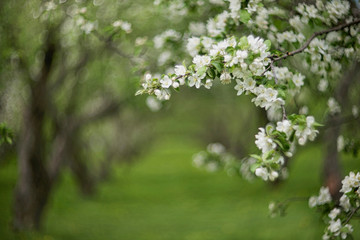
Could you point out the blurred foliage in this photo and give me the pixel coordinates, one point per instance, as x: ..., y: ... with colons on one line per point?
x: 163, y: 196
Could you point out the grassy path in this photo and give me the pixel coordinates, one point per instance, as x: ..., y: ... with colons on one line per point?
x: 164, y: 197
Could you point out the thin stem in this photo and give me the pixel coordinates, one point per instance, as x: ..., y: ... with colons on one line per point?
x: 182, y: 76
x: 307, y: 43
x: 110, y: 44
x: 351, y: 215
x: 341, y: 121
x: 267, y: 69
x: 292, y: 199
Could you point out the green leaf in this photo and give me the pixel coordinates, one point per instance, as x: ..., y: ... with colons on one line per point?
x: 279, y: 144
x: 217, y: 65
x: 243, y: 43
x: 281, y: 93
x: 268, y: 44
x: 315, y: 124
x: 8, y: 140
x: 292, y: 136
x: 269, y: 128
x: 202, y: 70
x: 211, y: 73
x: 256, y: 156
x: 254, y: 167
x: 268, y: 154
x: 244, y: 16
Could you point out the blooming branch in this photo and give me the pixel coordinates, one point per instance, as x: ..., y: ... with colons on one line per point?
x: 276, y: 58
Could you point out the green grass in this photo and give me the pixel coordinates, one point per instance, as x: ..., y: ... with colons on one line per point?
x: 164, y: 197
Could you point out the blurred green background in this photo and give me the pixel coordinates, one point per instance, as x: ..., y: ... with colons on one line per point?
x: 162, y: 196
x: 155, y: 193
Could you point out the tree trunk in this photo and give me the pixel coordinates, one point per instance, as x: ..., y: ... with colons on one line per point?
x: 85, y: 180
x: 331, y: 168
x: 34, y: 185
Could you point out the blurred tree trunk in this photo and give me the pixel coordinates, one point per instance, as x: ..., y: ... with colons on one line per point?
x: 332, y: 168
x: 43, y: 152
x: 80, y: 169
x: 34, y: 184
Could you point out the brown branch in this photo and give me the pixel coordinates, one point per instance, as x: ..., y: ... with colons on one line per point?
x: 65, y: 72
x: 307, y: 43
x: 275, y: 58
x: 106, y: 109
x: 70, y: 127
x: 267, y: 69
x: 351, y: 215
x: 341, y: 121
x: 109, y: 43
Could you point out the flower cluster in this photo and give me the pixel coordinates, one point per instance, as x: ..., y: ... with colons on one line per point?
x: 348, y: 145
x: 247, y: 62
x: 124, y: 25
x: 215, y: 158
x: 242, y: 60
x: 168, y: 35
x: 277, y: 208
x: 153, y: 103
x: 323, y: 198
x: 338, y: 215
x: 277, y: 142
x: 351, y: 183
x: 182, y: 7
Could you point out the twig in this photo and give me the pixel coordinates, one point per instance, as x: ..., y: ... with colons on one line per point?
x: 341, y: 121
x: 276, y: 58
x: 307, y: 43
x: 182, y: 76
x: 110, y: 44
x: 292, y: 199
x: 351, y: 215
x: 267, y: 69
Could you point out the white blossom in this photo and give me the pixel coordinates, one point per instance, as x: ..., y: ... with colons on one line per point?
x: 334, y: 213
x: 340, y: 143
x: 180, y: 70
x: 298, y: 79
x: 225, y: 78
x: 334, y: 226
x: 166, y: 82
x: 264, y: 142
x: 216, y: 148
x: 334, y: 106
x: 193, y: 46
x: 349, y: 182
x: 323, y: 84
x: 262, y: 172
x: 208, y: 84
x: 285, y: 126
x: 201, y: 61
x: 197, y: 28
x: 153, y: 104
x: 345, y: 203
x: 355, y: 111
